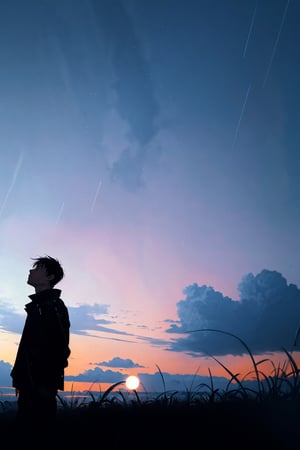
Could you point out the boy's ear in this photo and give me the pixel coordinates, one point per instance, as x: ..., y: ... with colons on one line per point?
x: 51, y: 277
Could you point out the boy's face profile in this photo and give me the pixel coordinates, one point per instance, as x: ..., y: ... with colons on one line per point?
x: 38, y: 276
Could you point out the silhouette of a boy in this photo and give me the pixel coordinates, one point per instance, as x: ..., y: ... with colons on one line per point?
x: 43, y: 352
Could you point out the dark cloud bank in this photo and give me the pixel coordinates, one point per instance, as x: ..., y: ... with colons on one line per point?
x: 266, y: 317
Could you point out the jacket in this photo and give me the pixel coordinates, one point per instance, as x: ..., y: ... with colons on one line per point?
x: 43, y: 350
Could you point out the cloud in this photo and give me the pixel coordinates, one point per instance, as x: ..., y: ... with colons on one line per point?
x: 5, y: 369
x: 128, y: 170
x: 150, y: 382
x: 103, y: 67
x: 97, y: 375
x: 163, y: 381
x: 266, y: 317
x: 83, y: 317
x: 160, y: 382
x: 119, y: 362
x: 156, y: 382
x: 134, y: 96
x: 10, y: 320
x: 84, y: 321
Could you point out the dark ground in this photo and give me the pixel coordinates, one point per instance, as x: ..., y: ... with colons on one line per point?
x: 234, y: 425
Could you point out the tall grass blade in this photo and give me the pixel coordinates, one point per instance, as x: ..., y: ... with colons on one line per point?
x: 242, y: 342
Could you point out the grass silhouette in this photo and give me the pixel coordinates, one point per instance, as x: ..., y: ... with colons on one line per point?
x: 233, y: 417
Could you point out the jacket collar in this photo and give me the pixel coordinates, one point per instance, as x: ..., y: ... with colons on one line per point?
x: 46, y: 296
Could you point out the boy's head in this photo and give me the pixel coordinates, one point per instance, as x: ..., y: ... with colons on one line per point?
x: 51, y: 267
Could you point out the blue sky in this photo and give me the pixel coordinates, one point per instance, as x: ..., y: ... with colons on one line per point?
x: 152, y: 147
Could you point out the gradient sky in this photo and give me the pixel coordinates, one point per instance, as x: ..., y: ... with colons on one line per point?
x: 153, y: 148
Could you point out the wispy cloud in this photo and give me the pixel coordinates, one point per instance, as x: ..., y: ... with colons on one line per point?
x: 135, y: 99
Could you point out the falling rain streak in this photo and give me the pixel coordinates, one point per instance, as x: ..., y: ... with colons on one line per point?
x: 96, y: 195
x: 60, y: 213
x: 250, y: 31
x: 241, y: 116
x: 13, y: 181
x: 276, y: 43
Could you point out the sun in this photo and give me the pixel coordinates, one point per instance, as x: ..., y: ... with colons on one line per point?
x: 132, y: 382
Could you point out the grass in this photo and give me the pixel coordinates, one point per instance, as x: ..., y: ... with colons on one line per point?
x: 282, y: 383
x: 238, y: 415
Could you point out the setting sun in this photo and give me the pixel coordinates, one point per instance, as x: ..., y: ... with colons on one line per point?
x: 132, y: 382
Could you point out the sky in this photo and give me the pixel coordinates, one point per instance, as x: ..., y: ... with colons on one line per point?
x: 153, y: 148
